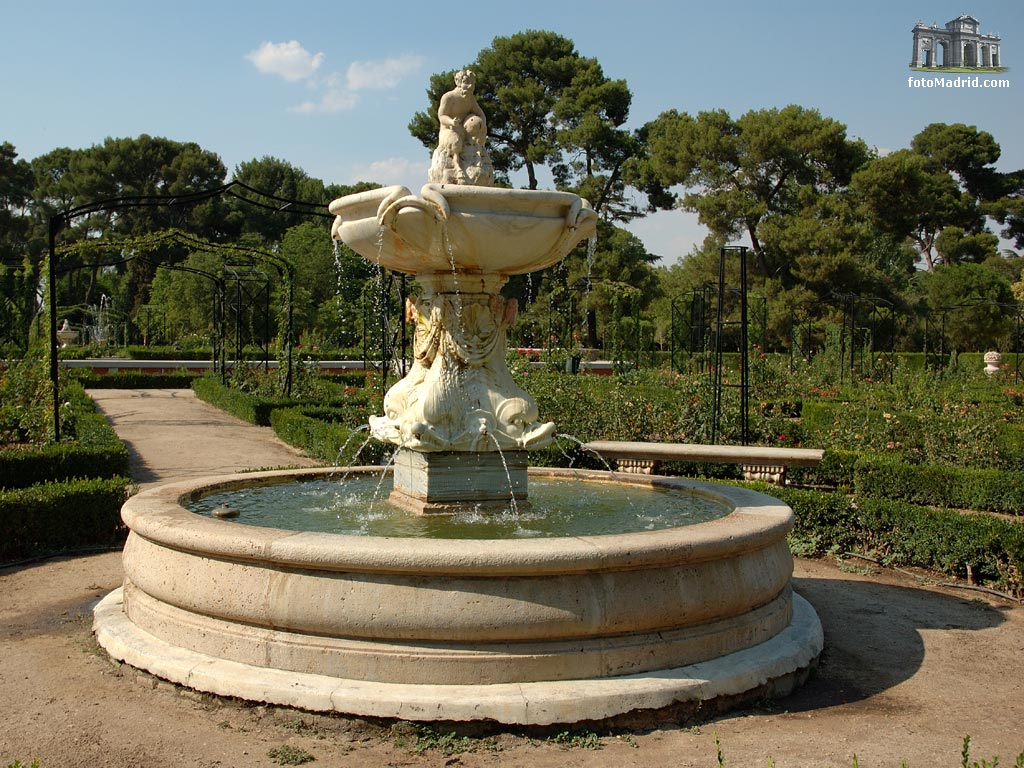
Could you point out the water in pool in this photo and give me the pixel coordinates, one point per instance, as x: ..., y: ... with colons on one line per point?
x: 358, y: 506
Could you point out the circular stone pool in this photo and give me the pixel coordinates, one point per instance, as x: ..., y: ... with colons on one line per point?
x: 518, y: 630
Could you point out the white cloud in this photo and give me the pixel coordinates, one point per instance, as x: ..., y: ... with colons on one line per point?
x: 288, y: 60
x: 334, y: 97
x: 381, y: 74
x: 334, y: 92
x: 393, y: 170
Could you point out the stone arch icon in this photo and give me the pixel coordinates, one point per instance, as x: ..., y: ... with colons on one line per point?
x: 960, y: 43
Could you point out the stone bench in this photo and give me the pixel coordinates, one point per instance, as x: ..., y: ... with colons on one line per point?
x: 758, y: 462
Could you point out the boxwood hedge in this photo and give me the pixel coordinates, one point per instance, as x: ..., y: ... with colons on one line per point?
x: 53, y: 517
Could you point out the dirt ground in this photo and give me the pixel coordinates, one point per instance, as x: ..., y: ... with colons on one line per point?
x: 908, y: 670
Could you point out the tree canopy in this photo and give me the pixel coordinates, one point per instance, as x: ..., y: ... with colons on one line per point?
x: 547, y: 105
x: 741, y: 174
x: 935, y: 192
x: 823, y: 215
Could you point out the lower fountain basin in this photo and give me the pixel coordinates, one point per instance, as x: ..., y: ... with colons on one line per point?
x: 323, y: 619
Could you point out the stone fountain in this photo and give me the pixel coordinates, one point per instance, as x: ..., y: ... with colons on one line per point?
x: 517, y: 630
x: 461, y: 424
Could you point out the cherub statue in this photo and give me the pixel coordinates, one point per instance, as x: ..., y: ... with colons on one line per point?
x: 461, y: 155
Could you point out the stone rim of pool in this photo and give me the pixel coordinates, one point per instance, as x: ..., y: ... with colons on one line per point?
x: 532, y: 631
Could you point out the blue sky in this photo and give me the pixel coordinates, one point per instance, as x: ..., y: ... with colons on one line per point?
x: 330, y: 87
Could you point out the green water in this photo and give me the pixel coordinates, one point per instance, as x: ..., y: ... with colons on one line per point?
x: 358, y: 505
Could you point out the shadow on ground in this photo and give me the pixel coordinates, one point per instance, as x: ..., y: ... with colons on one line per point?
x: 873, y: 637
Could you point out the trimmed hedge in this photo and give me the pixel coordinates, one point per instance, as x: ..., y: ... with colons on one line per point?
x: 901, y: 534
x: 104, y: 351
x: 325, y: 434
x: 836, y: 470
x: 245, y: 406
x: 61, y: 462
x: 938, y: 485
x: 53, y: 517
x: 257, y: 409
x: 136, y: 380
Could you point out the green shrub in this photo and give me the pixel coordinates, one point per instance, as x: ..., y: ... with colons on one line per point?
x: 825, y: 523
x: 91, y: 449
x: 836, y: 470
x: 347, y: 378
x: 328, y: 434
x: 246, y: 406
x: 26, y: 402
x: 106, y: 351
x: 136, y: 380
x: 1010, y: 445
x: 941, y: 486
x: 61, y: 462
x: 54, y: 517
x: 901, y: 534
x: 257, y: 407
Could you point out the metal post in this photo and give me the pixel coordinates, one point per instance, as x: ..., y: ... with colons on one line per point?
x: 288, y: 332
x: 54, y: 225
x: 402, y: 298
x: 716, y: 409
x: 745, y: 353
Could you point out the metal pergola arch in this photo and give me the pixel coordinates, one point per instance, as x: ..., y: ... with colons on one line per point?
x: 859, y: 315
x: 219, y: 282
x: 59, y: 221
x: 1014, y: 310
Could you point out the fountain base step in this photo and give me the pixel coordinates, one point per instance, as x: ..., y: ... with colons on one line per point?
x: 772, y: 668
x: 455, y: 481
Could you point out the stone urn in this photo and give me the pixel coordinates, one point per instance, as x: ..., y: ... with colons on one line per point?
x: 66, y: 334
x: 992, y: 361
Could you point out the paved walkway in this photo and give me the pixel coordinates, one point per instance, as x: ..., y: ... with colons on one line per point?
x: 172, y: 435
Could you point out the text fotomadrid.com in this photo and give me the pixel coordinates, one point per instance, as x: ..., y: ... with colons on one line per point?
x: 957, y: 82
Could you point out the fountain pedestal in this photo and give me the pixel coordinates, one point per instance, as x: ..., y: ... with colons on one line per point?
x: 461, y: 243
x: 441, y: 482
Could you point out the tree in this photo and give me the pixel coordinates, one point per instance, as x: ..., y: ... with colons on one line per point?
x: 328, y: 283
x: 547, y: 104
x: 936, y: 193
x: 594, y: 146
x: 966, y: 153
x: 148, y: 165
x: 128, y: 167
x: 282, y: 179
x: 974, y: 300
x: 1008, y: 209
x: 17, y: 271
x: 186, y: 299
x: 740, y: 174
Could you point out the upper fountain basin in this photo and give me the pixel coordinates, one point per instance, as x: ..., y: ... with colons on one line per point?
x: 485, y: 230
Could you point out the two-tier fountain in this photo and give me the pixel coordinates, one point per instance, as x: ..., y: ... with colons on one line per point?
x: 520, y: 629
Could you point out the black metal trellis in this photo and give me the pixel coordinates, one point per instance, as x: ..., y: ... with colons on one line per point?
x: 1015, y: 340
x: 867, y: 335
x: 722, y: 323
x: 868, y: 322
x: 236, y: 189
x: 392, y: 338
x: 218, y: 300
x: 251, y: 295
